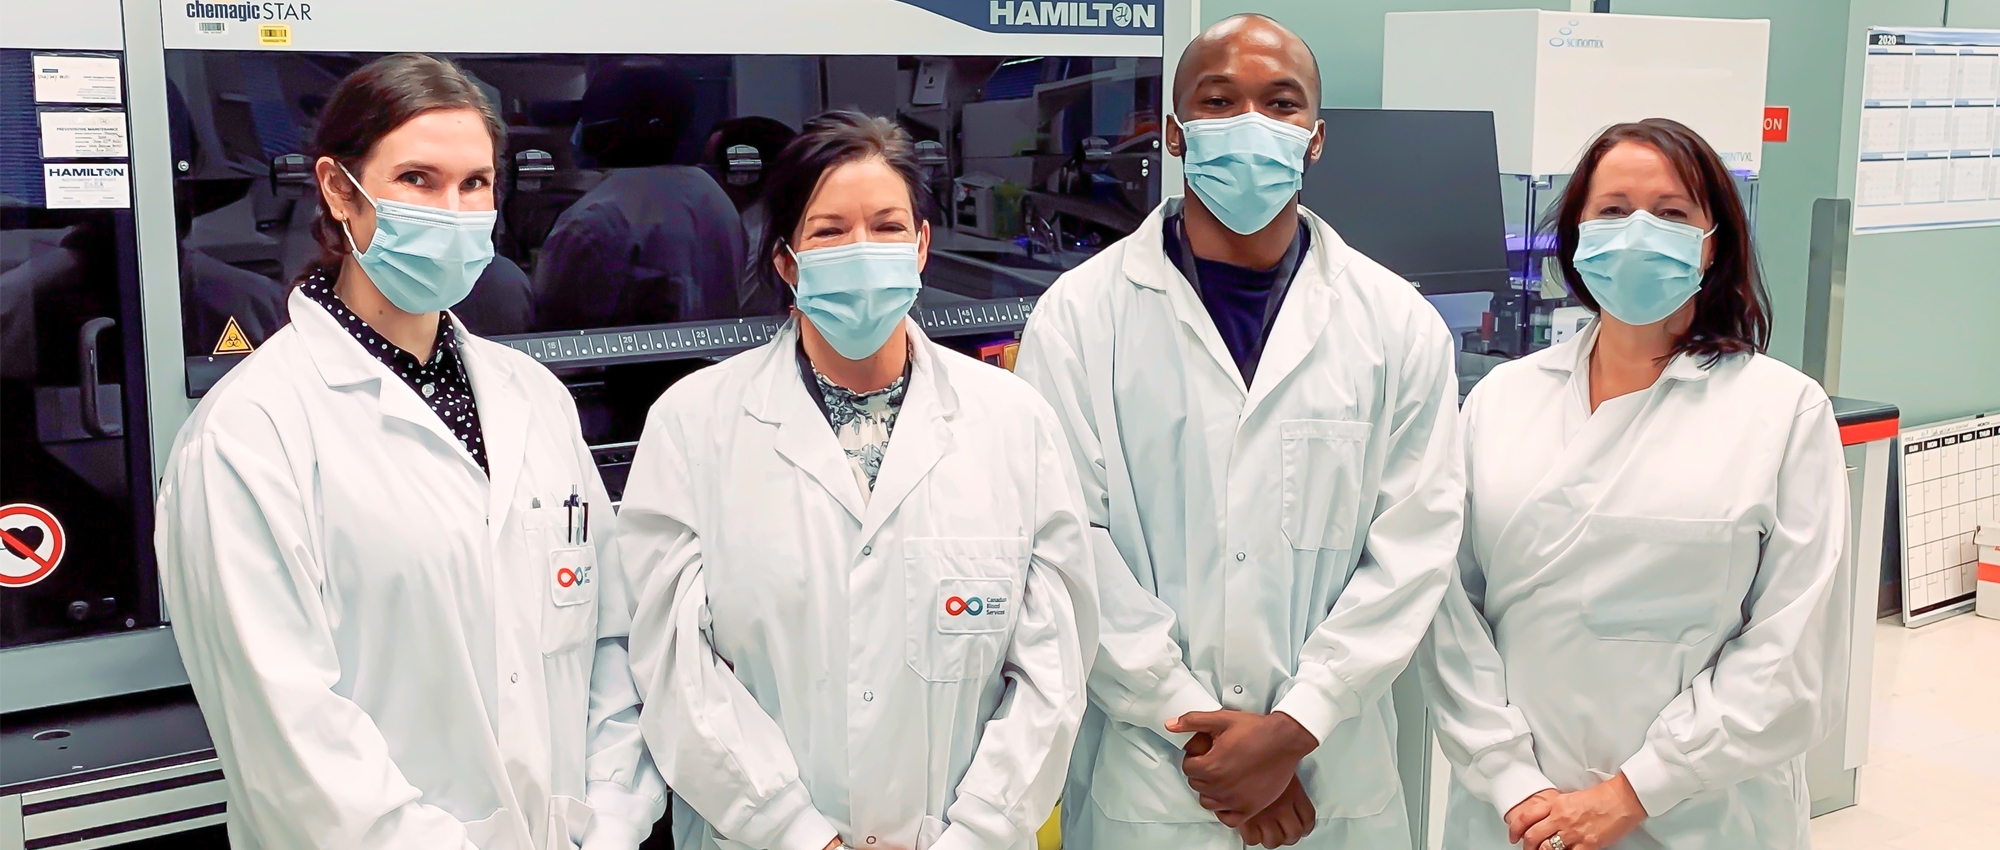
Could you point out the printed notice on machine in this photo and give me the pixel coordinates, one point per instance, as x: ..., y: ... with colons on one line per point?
x: 77, y: 79
x: 83, y: 135
x: 87, y: 185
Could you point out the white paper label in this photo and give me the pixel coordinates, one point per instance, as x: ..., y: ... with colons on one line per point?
x: 77, y: 79
x: 83, y: 135
x: 87, y: 185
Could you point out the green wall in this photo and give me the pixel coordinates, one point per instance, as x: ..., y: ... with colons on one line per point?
x: 1921, y: 307
x: 1346, y: 35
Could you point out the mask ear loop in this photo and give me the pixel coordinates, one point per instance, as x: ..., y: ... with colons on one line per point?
x: 352, y: 246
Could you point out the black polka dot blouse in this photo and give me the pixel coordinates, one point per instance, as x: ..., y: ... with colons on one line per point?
x: 442, y: 383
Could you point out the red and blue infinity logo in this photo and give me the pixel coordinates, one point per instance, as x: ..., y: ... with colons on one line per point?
x: 957, y: 605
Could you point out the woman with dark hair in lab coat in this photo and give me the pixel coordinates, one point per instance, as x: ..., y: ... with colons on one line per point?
x: 376, y: 534
x: 863, y: 603
x: 1636, y: 649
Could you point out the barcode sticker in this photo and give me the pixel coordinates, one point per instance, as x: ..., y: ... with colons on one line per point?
x: 212, y: 27
x: 274, y: 34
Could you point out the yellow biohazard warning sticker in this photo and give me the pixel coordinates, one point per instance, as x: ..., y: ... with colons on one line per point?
x: 274, y: 35
x: 233, y: 341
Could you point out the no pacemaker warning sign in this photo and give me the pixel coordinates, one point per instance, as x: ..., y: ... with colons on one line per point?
x: 233, y: 341
x: 33, y: 543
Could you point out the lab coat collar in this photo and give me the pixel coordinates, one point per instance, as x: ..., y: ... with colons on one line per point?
x: 343, y: 364
x: 778, y: 396
x: 921, y: 437
x: 503, y: 419
x: 1574, y: 353
x: 1301, y: 319
x: 1307, y: 311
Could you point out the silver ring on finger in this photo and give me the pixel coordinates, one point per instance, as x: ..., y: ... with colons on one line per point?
x: 1556, y: 842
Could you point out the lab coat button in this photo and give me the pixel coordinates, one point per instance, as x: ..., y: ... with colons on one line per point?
x: 871, y: 839
x: 1240, y: 556
x: 516, y: 678
x: 867, y: 550
x: 867, y: 696
x: 1238, y: 689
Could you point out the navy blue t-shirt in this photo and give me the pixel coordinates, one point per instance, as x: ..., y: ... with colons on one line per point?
x: 1236, y: 297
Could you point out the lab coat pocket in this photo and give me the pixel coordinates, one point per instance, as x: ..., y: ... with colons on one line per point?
x: 1323, y: 464
x: 488, y: 831
x: 928, y: 832
x: 1138, y: 779
x: 1654, y: 579
x: 570, y: 617
x: 961, y: 595
x: 569, y: 820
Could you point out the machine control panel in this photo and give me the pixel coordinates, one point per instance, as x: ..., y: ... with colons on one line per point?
x: 682, y: 340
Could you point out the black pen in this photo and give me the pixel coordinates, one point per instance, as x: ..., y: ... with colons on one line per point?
x: 586, y: 522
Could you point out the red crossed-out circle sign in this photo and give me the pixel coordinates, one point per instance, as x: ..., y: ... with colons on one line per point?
x: 31, y: 544
x: 566, y: 577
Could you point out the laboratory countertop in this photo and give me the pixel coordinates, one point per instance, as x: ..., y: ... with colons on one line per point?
x: 66, y: 744
x: 1853, y: 411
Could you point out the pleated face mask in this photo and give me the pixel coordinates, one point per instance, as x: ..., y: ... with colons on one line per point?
x: 423, y: 259
x: 1245, y: 168
x: 1640, y: 268
x: 856, y: 294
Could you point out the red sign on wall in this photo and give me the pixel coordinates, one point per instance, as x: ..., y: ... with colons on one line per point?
x: 1777, y: 123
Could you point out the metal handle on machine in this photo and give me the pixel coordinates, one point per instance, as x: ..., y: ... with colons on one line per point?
x: 87, y: 368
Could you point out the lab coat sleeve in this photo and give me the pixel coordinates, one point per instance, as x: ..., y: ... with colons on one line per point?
x: 1408, y: 551
x: 1139, y: 676
x: 307, y: 767
x: 711, y: 740
x: 1017, y: 772
x: 626, y: 792
x: 1487, y: 740
x: 1761, y: 703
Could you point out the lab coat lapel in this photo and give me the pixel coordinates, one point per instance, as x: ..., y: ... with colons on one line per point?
x: 503, y: 423
x: 920, y: 438
x: 1146, y: 264
x: 343, y: 363
x: 1595, y: 451
x: 779, y: 397
x: 1304, y: 315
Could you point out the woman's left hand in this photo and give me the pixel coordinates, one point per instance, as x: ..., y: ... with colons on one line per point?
x: 1592, y: 819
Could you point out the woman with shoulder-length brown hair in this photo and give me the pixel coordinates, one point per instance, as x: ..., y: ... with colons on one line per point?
x: 1635, y: 650
x: 375, y: 534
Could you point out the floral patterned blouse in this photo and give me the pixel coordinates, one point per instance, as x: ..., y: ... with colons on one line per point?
x: 861, y: 421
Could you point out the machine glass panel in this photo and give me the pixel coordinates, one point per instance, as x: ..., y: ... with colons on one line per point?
x: 638, y: 136
x: 75, y: 474
x: 629, y: 205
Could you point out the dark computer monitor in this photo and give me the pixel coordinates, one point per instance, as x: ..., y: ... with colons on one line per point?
x: 1418, y: 191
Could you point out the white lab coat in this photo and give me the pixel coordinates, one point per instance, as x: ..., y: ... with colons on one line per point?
x: 376, y: 632
x: 1646, y: 589
x: 807, y: 665
x: 1277, y: 547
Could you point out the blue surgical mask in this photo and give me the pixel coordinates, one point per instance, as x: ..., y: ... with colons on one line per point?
x: 423, y: 259
x: 1640, y: 268
x: 856, y: 294
x: 1245, y: 168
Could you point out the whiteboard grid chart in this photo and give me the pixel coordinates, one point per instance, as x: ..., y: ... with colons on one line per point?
x: 1951, y: 479
x: 1930, y: 130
